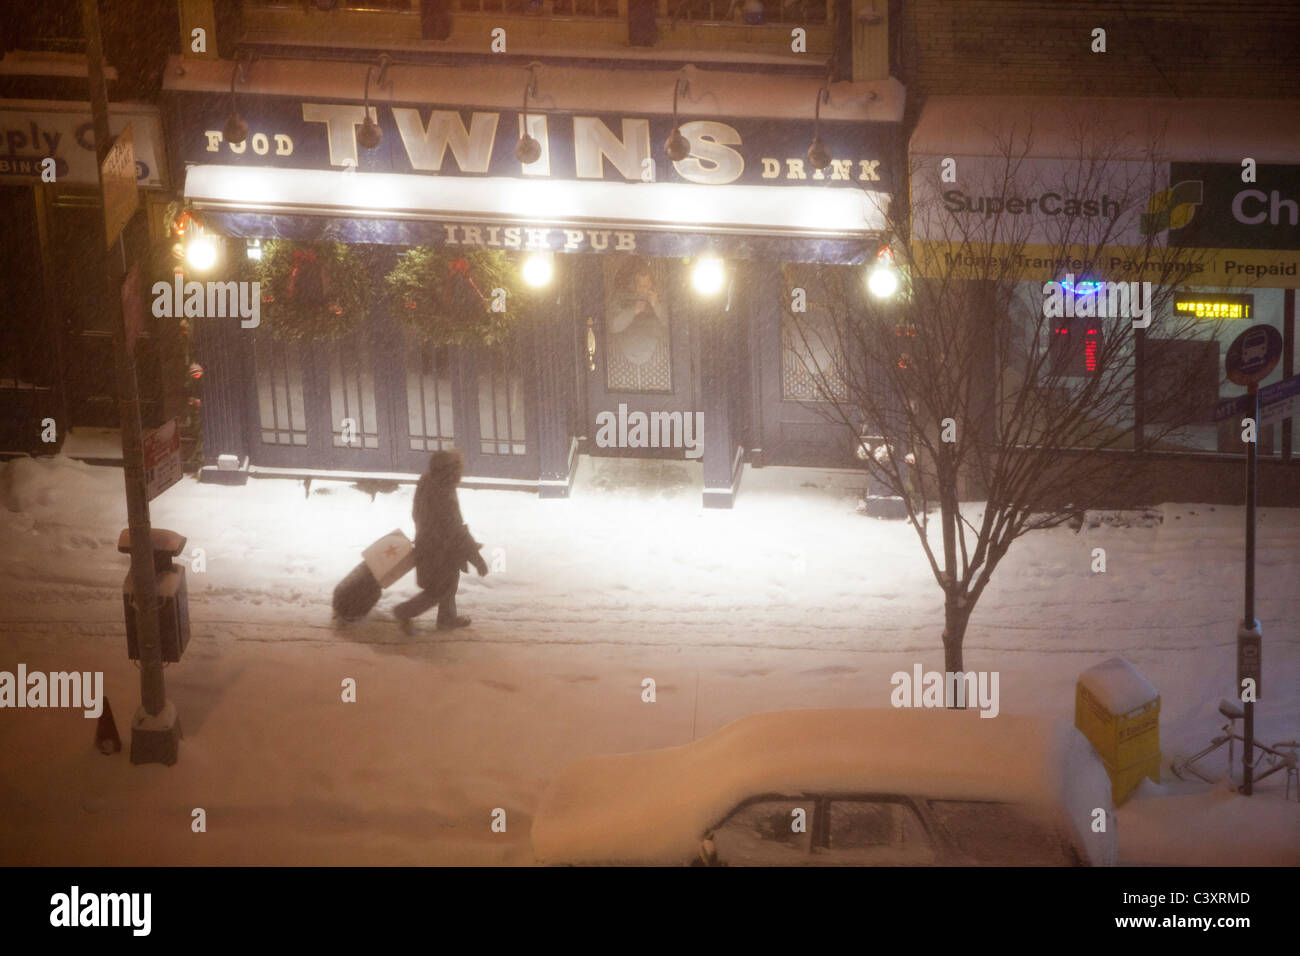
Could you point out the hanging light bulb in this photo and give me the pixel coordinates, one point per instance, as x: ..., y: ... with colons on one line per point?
x: 819, y: 157
x: 708, y: 276
x: 677, y: 147
x: 528, y: 150
x: 236, y: 130
x: 882, y: 279
x: 369, y: 136
x: 201, y: 253
x: 539, y: 269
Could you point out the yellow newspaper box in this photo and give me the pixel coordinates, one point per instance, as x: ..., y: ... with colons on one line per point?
x: 1118, y: 710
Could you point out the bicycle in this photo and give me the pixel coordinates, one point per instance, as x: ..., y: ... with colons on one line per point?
x: 1280, y: 756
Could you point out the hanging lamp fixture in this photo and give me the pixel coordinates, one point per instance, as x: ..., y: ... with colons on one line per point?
x: 677, y: 147
x: 528, y: 149
x: 370, y: 135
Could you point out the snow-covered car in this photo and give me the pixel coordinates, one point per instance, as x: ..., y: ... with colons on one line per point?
x: 840, y: 787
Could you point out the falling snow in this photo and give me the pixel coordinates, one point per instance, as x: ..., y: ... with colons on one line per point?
x: 790, y: 600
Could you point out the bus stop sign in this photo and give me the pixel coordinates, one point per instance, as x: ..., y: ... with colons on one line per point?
x: 1253, y: 355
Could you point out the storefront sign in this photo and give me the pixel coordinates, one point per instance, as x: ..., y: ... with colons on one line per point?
x: 440, y: 140
x: 1264, y: 214
x: 646, y: 242
x: 161, y: 449
x: 118, y: 182
x: 64, y: 132
x: 1182, y: 223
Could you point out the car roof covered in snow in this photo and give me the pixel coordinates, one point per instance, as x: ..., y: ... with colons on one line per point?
x: 654, y: 806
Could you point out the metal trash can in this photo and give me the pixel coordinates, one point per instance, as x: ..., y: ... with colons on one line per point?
x: 1118, y: 710
x: 173, y: 600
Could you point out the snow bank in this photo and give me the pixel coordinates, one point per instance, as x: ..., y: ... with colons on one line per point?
x: 33, y: 484
x: 1210, y: 826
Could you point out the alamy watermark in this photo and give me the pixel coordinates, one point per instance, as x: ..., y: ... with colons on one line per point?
x: 210, y: 300
x: 75, y: 908
x: 1101, y: 300
x: 653, y: 430
x: 84, y: 689
x: 949, y: 689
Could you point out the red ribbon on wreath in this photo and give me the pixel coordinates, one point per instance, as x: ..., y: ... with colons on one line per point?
x: 299, y: 257
x: 301, y: 261
x: 461, y: 267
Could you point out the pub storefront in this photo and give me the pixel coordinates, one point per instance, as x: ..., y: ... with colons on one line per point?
x: 620, y: 302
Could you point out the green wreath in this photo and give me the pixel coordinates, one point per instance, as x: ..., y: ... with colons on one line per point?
x: 313, y: 292
x: 448, y: 296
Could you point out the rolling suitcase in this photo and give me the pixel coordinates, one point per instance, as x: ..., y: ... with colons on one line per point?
x: 357, y: 593
x: 386, y: 561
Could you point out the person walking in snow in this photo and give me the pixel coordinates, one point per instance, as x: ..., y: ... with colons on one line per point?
x: 443, y: 545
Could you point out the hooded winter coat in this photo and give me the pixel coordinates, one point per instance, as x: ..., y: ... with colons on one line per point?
x: 443, y: 544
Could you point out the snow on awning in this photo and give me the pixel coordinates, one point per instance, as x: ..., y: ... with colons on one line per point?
x: 796, y: 223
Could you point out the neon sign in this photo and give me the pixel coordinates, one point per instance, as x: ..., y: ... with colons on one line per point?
x: 1223, y: 306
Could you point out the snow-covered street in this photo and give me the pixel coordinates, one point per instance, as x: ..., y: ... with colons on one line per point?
x: 792, y: 599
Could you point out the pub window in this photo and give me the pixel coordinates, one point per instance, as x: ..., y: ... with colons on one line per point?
x: 282, y: 410
x: 428, y: 394
x: 352, y: 394
x: 811, y: 364
x: 638, y: 343
x: 501, y: 401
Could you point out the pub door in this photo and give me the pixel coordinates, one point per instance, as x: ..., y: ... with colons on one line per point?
x: 639, y: 335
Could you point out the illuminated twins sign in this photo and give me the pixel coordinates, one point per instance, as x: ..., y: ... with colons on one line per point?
x: 469, y: 142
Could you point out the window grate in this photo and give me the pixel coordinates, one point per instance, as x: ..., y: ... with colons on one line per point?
x: 352, y: 395
x: 281, y: 403
x: 501, y: 402
x: 428, y: 396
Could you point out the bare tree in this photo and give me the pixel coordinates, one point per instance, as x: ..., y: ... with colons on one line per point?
x: 971, y: 378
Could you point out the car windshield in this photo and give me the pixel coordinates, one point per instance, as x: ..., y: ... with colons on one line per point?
x: 1002, y: 834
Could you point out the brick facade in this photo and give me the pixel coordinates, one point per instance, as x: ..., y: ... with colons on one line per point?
x: 1183, y: 48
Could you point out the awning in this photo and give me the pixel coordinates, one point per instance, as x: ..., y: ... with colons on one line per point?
x: 794, y: 223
